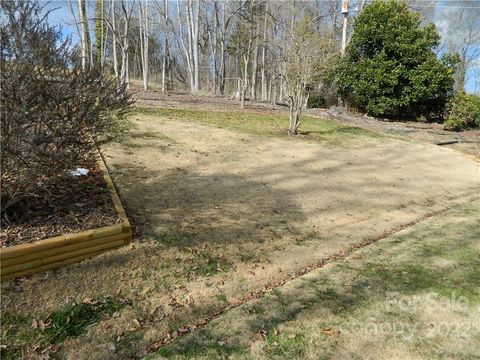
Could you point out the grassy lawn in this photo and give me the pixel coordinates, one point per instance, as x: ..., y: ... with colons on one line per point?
x: 414, y: 295
x: 223, y: 214
x: 269, y: 125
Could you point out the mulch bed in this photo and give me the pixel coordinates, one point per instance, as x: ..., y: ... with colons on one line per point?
x: 66, y: 205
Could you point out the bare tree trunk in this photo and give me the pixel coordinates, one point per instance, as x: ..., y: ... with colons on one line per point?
x: 273, y: 82
x: 253, y: 87
x: 124, y: 73
x: 280, y: 97
x: 83, y: 33
x: 291, y: 105
x: 196, y: 60
x: 222, y: 51
x: 246, y: 60
x: 99, y: 32
x: 242, y: 90
x: 225, y: 21
x: 114, y: 42
x: 164, y: 64
x: 264, y: 50
x: 188, y: 51
x: 269, y: 94
x: 165, y: 46
x: 145, y: 68
x: 192, y: 22
x: 212, y: 38
x: 143, y: 30
x: 90, y: 44
x: 298, y: 110
x: 105, y: 35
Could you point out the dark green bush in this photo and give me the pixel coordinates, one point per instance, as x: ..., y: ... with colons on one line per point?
x: 463, y: 112
x: 390, y: 67
x: 316, y: 101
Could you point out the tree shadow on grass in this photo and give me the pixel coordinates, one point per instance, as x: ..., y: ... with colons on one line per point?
x: 340, y: 302
x: 181, y: 208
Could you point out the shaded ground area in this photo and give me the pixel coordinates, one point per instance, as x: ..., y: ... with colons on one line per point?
x: 226, y: 207
x: 413, y: 296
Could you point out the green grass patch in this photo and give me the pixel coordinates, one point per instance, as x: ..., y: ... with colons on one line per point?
x: 73, y: 319
x: 205, y: 264
x: 288, y: 345
x: 69, y: 321
x: 269, y: 125
x: 16, y: 333
x: 222, y: 298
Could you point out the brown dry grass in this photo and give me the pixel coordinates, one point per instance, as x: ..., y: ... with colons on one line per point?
x: 223, y: 213
x: 386, y: 301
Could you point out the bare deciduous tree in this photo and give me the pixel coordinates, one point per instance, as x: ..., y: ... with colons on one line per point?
x: 464, y: 39
x: 192, y: 13
x: 307, y: 55
x: 144, y: 39
x: 84, y: 33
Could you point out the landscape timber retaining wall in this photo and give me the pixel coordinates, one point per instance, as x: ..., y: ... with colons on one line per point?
x: 47, y: 254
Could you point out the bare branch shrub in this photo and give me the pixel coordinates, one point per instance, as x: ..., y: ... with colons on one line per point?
x: 52, y: 113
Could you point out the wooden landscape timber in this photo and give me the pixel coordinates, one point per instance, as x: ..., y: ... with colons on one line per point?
x: 47, y: 254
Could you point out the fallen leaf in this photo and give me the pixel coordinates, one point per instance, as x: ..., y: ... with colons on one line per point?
x: 137, y: 323
x: 41, y: 325
x: 183, y: 330
x: 147, y: 290
x: 89, y: 301
x: 262, y: 333
x: 331, y: 333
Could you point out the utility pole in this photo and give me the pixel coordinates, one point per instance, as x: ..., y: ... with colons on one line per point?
x: 344, y: 38
x: 345, y: 23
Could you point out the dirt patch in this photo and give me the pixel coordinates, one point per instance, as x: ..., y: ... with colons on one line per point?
x: 225, y: 213
x: 63, y: 205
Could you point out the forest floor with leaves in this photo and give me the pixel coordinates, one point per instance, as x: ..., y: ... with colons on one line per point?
x: 232, y: 216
